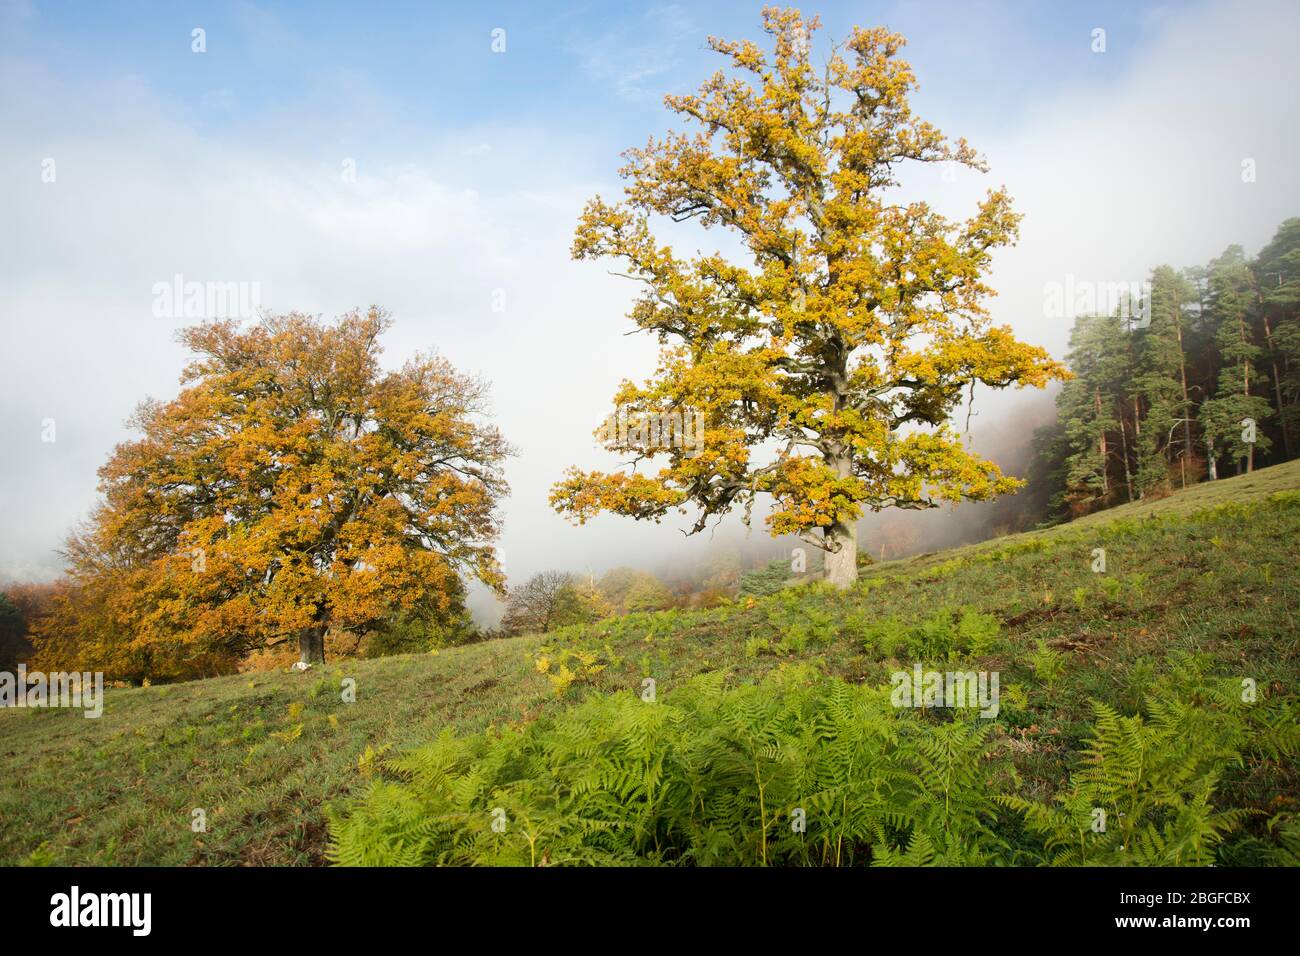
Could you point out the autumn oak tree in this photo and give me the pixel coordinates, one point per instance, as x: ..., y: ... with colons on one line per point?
x: 293, y: 486
x: 828, y: 367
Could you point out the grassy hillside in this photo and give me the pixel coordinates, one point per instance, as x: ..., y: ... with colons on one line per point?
x: 1210, y: 572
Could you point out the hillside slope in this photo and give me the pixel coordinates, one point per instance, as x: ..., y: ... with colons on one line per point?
x: 1209, y: 572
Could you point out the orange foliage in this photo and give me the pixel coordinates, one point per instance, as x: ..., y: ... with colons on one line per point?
x: 292, y: 489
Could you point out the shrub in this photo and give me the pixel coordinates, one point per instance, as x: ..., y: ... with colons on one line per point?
x: 806, y: 770
x: 704, y: 776
x: 1047, y: 663
x: 765, y: 581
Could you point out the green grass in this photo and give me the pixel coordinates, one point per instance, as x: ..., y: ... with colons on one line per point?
x: 120, y: 789
x: 1208, y: 572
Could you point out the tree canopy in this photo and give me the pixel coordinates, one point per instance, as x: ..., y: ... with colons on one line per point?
x: 1211, y: 380
x: 293, y: 486
x: 825, y: 370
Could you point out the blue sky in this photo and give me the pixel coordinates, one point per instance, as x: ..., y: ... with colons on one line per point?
x: 471, y: 170
x: 380, y: 80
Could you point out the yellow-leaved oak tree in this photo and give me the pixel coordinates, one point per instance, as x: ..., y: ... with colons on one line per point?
x: 293, y: 486
x: 826, y: 368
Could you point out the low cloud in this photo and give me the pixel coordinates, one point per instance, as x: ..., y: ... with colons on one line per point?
x: 465, y: 238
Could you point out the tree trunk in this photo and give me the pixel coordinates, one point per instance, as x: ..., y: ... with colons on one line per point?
x: 1277, y: 381
x: 311, y: 644
x: 1123, y: 437
x: 841, y: 538
x: 1105, y: 481
x: 841, y: 564
x: 1245, y: 392
x: 1187, y: 405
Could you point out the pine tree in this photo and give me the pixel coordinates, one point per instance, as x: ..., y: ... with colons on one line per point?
x: 1276, y: 272
x: 1217, y: 366
x: 1092, y: 407
x: 1232, y: 418
x: 1162, y: 380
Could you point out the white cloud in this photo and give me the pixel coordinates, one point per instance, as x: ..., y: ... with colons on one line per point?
x: 1113, y: 179
x: 634, y: 58
x: 1144, y: 167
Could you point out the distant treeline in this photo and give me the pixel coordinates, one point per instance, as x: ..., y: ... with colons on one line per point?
x: 1200, y: 381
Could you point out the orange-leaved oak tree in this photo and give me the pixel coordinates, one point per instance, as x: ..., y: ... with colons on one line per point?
x: 826, y: 367
x: 294, y: 486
